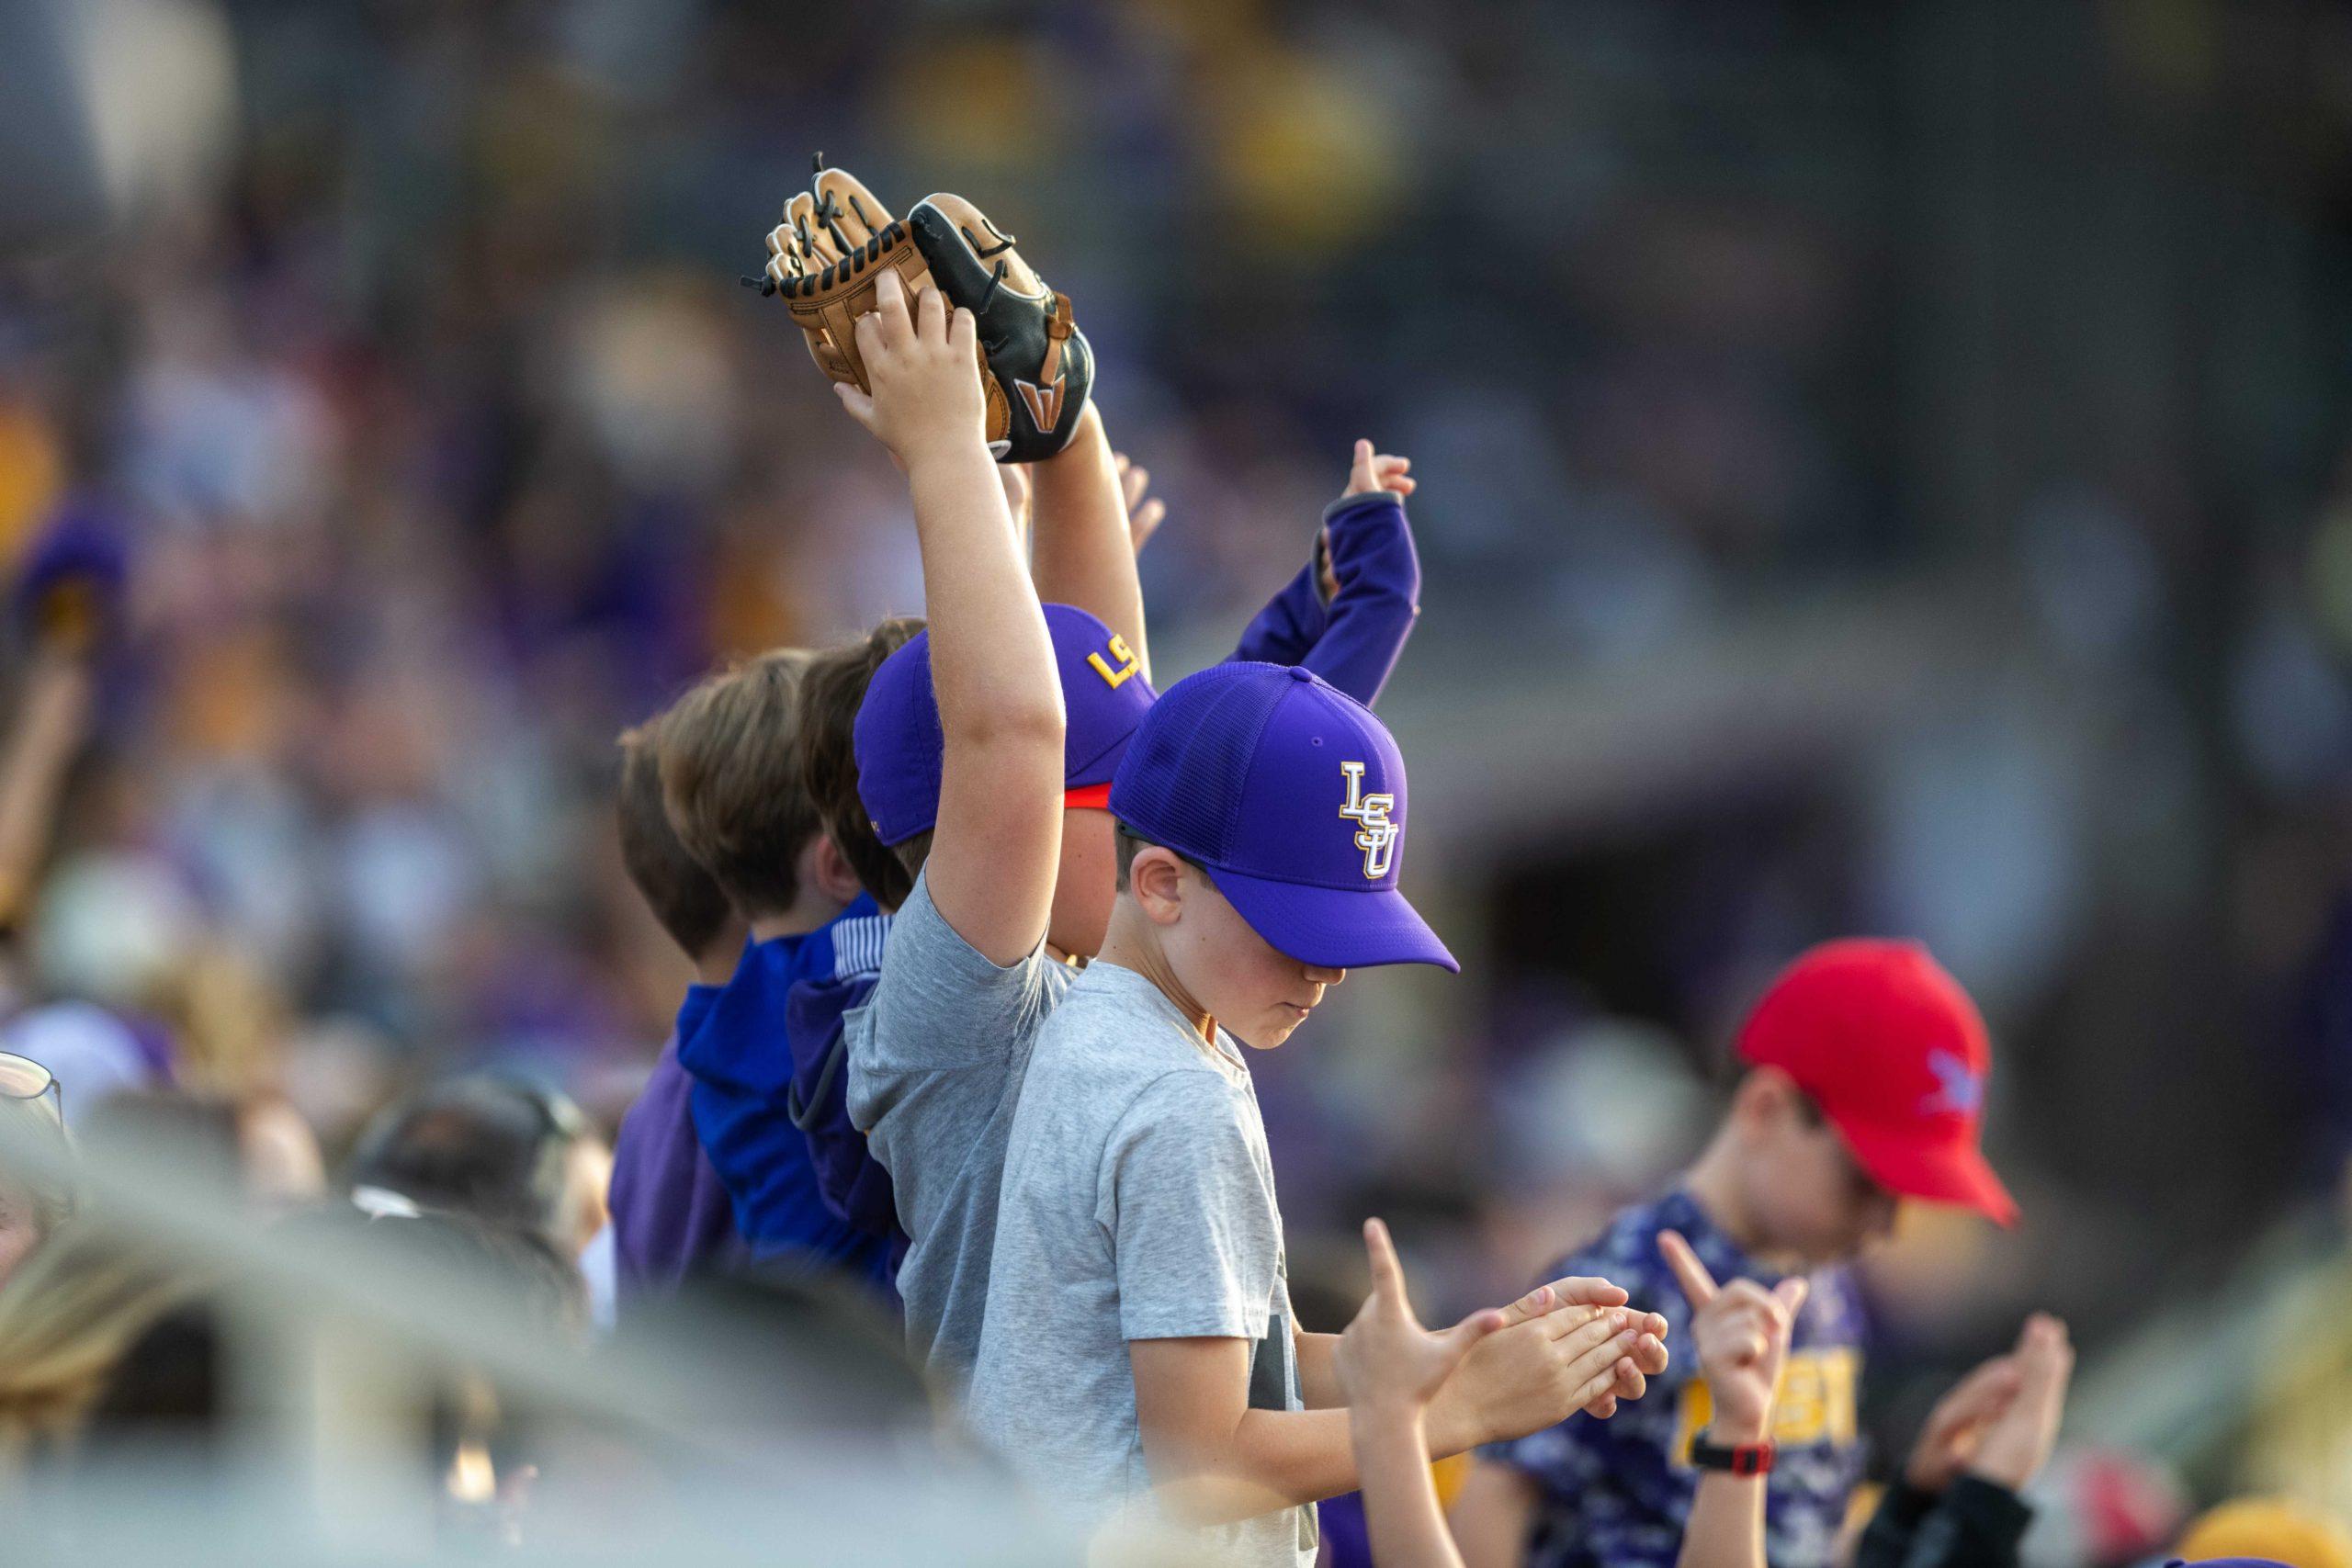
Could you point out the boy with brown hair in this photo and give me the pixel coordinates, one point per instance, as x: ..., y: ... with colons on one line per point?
x: 733, y: 785
x: 1865, y: 1065
x: 1139, y: 1345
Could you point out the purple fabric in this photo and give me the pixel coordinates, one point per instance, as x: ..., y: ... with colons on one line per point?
x: 853, y: 1182
x: 1352, y: 639
x: 1347, y: 1534
x: 1291, y: 794
x: 670, y: 1215
x: 900, y: 745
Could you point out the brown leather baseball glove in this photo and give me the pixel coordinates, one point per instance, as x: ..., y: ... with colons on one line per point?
x: 830, y: 250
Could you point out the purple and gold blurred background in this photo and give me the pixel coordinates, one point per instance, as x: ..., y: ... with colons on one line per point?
x: 1881, y: 468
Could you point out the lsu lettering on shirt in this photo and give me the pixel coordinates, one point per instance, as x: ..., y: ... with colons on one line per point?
x: 1616, y: 1492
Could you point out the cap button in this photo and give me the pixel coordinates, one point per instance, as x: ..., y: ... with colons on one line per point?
x: 1301, y: 672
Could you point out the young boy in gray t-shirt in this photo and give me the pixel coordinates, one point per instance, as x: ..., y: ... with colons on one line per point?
x: 974, y: 760
x: 1138, y: 1345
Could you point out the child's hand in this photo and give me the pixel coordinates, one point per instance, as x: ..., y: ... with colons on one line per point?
x: 1740, y: 1332
x: 1956, y: 1426
x: 1371, y: 471
x: 1584, y: 1298
x: 1377, y: 471
x: 1144, y: 515
x: 1386, y: 1361
x: 924, y: 367
x: 2017, y: 1442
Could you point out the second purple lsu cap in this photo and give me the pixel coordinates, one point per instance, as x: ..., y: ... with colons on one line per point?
x: 899, y: 746
x: 1291, y: 794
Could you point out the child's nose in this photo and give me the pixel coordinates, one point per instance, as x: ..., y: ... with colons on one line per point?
x: 1323, y: 977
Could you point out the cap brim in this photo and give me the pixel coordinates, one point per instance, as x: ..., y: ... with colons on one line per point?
x: 1334, y: 928
x: 1935, y: 1172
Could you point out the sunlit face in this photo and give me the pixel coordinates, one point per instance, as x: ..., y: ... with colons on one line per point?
x: 1807, y: 1192
x: 19, y: 1225
x: 1087, y: 886
x: 1256, y: 993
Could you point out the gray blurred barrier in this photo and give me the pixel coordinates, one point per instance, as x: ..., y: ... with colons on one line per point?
x: 336, y: 1339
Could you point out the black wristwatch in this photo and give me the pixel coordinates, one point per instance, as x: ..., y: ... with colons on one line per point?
x: 1745, y: 1459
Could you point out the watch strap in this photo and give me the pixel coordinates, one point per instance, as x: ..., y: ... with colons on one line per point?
x: 1741, y: 1459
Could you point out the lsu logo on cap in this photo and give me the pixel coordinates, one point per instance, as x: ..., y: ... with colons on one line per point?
x: 1116, y: 676
x: 1377, y: 836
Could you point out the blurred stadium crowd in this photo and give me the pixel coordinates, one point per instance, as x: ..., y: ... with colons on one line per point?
x: 1877, y: 472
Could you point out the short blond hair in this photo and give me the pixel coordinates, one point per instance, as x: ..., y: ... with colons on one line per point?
x: 732, y: 781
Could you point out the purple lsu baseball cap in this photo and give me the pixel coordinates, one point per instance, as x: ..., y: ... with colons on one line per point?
x: 1291, y: 796
x: 898, y: 744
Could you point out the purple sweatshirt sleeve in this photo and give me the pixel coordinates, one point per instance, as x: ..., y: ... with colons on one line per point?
x: 1352, y: 640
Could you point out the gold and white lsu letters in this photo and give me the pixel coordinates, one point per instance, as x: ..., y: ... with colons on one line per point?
x: 1377, y: 836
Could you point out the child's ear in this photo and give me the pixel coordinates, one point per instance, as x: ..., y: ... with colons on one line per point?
x: 1765, y: 1098
x: 1156, y: 879
x: 829, y: 871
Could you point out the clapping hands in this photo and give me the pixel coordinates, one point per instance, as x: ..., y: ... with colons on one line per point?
x: 2001, y: 1420
x: 1385, y: 1360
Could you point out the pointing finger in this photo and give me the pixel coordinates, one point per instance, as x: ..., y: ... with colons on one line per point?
x: 1688, y: 1272
x: 1387, y: 1273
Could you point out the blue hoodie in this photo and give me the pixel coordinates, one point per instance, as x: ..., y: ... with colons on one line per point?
x: 742, y: 1066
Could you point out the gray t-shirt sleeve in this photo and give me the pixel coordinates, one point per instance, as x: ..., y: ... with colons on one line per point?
x: 1189, y: 1214
x: 941, y: 1004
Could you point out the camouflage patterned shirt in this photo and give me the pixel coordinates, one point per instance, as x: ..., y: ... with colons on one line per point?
x: 1615, y: 1493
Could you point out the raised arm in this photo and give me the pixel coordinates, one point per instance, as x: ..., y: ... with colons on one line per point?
x: 1084, y: 551
x: 997, y: 845
x: 1740, y: 1333
x: 1390, y: 1367
x: 1347, y: 614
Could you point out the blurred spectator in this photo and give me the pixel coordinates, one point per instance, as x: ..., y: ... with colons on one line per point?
x: 498, y: 1149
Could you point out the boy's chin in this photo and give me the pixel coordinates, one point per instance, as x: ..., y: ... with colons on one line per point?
x: 1270, y: 1034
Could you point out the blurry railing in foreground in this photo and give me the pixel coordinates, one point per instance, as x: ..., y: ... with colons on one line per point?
x: 380, y: 1404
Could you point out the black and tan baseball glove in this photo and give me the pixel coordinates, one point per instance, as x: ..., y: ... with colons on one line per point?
x: 835, y: 241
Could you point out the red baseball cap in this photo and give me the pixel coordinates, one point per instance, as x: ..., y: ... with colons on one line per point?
x: 1894, y: 1054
